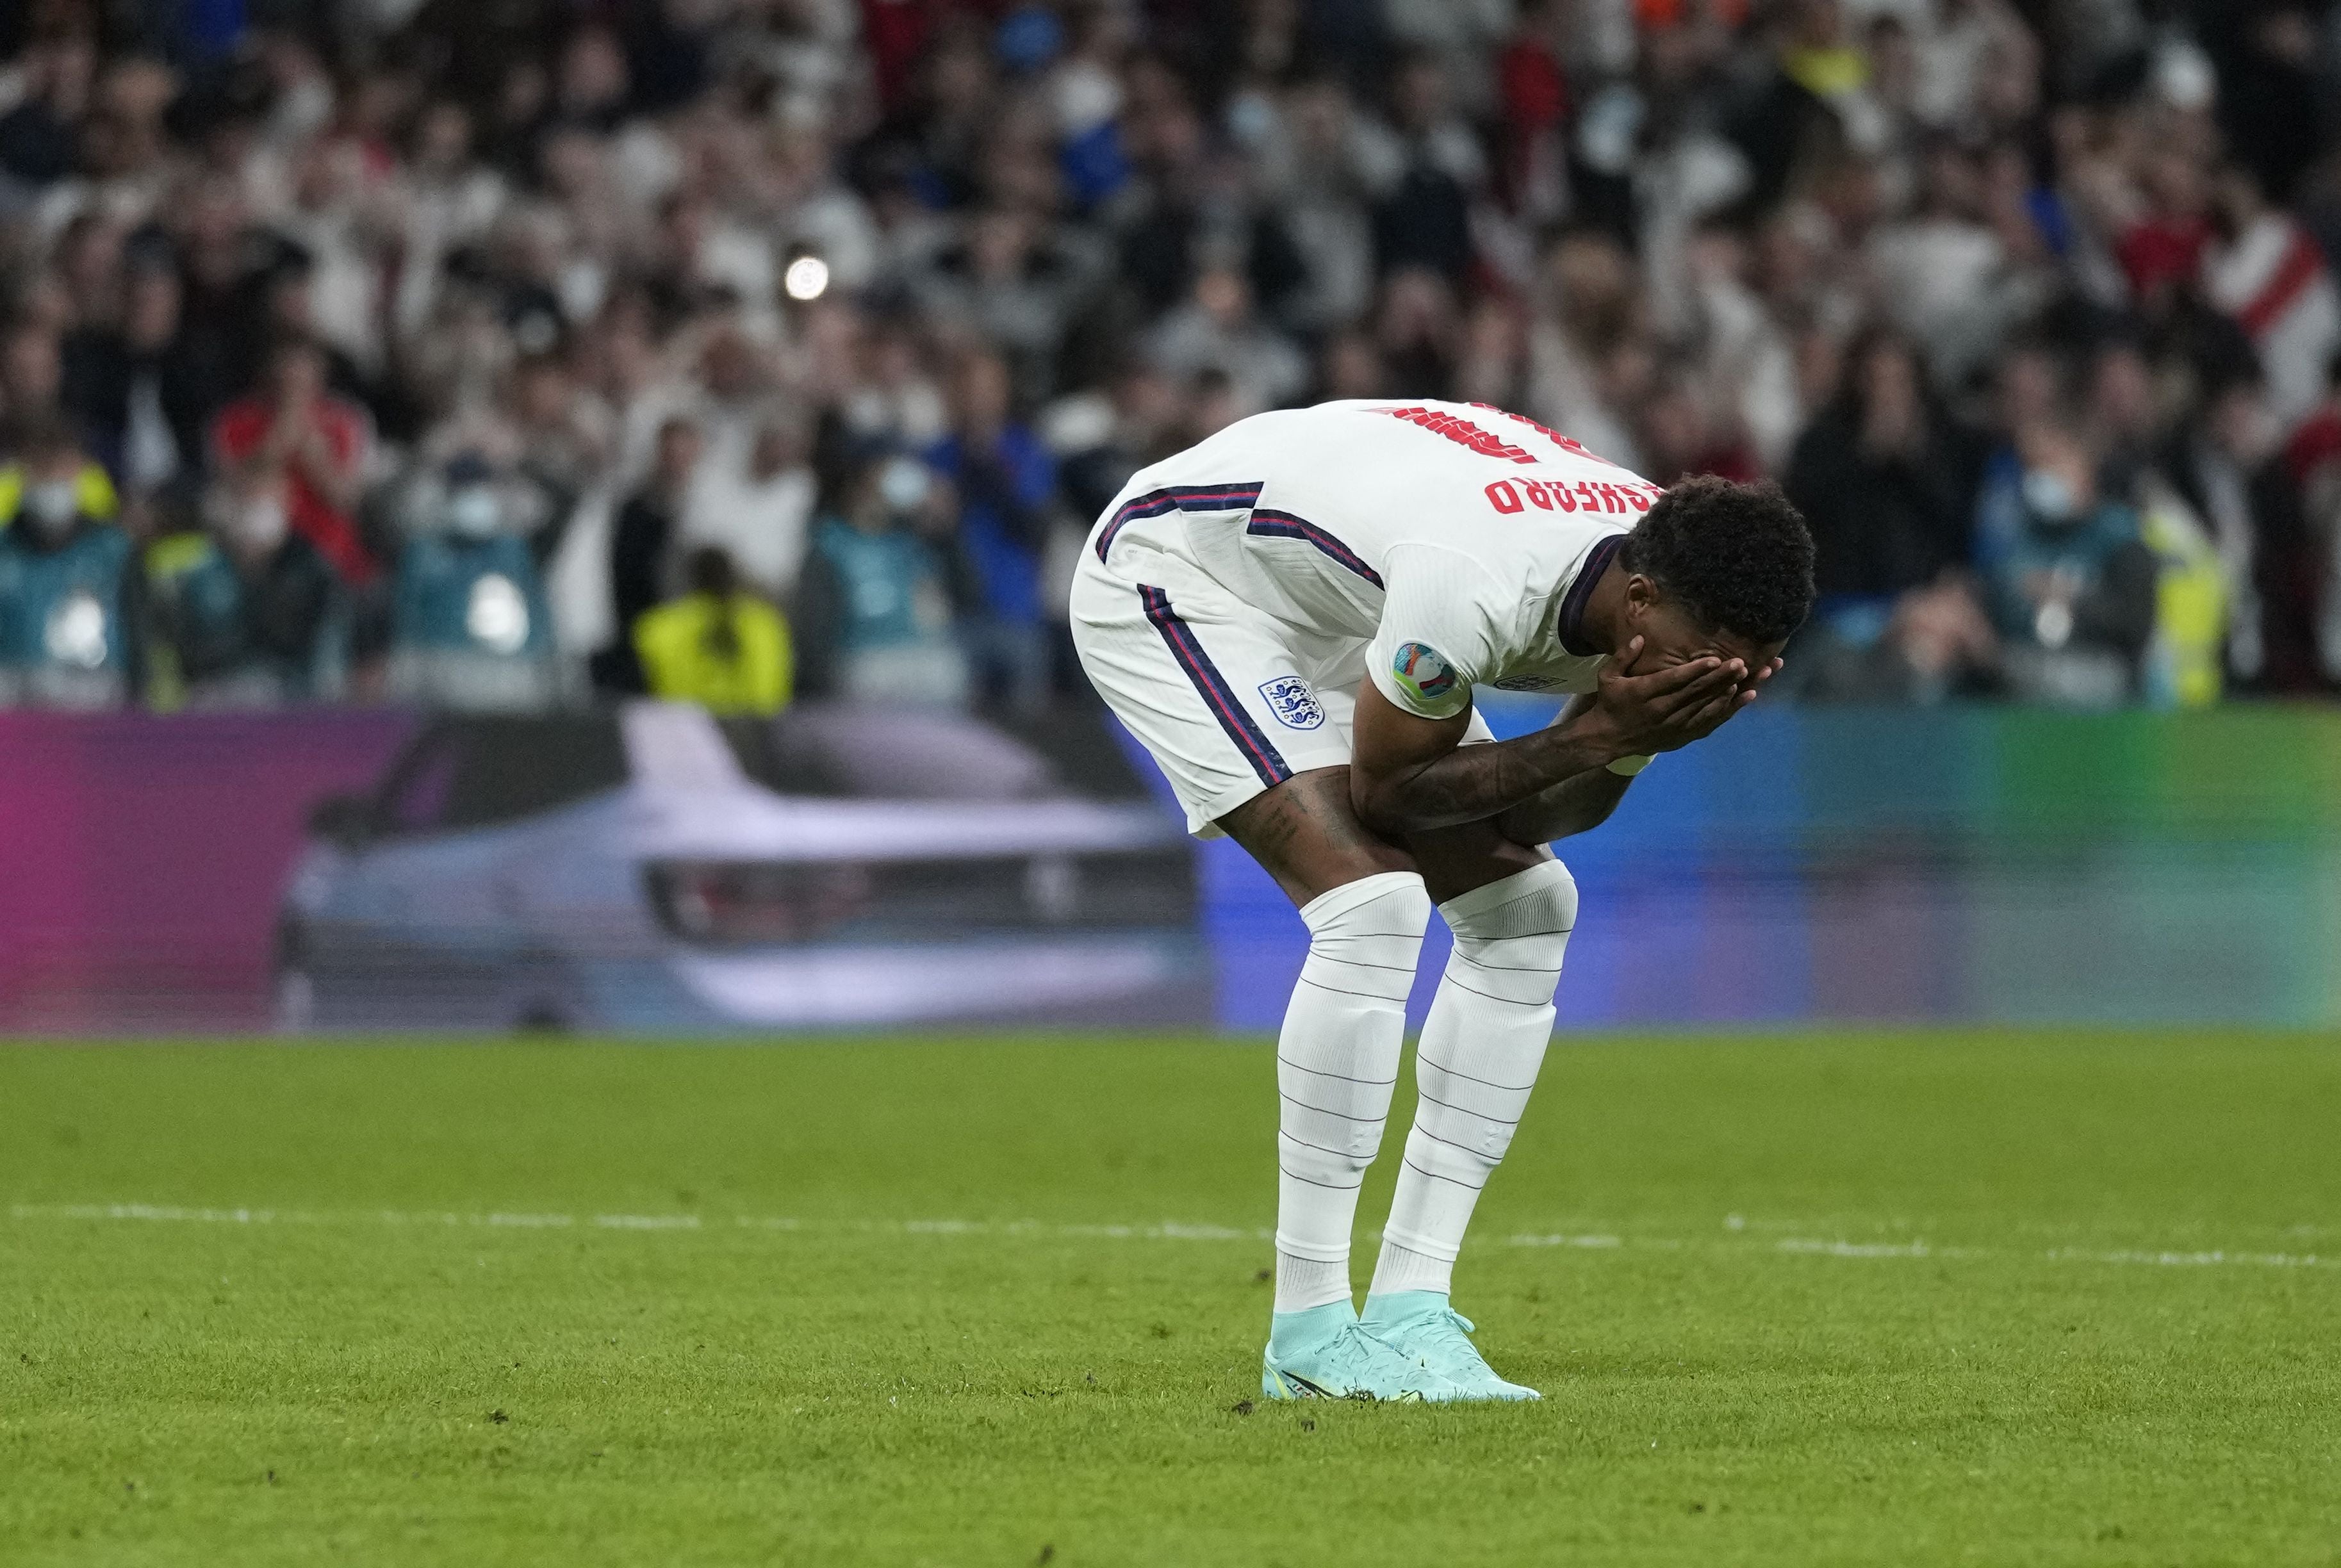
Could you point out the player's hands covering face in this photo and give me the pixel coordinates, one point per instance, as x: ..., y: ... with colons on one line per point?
x: 1671, y: 707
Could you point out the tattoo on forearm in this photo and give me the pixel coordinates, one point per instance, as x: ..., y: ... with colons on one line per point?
x: 1474, y: 782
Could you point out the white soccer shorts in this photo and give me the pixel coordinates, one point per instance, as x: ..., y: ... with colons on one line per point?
x: 1229, y: 701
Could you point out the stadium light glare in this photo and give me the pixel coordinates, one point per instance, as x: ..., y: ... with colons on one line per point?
x: 807, y: 279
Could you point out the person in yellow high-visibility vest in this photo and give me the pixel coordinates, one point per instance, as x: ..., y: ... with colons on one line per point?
x: 718, y: 645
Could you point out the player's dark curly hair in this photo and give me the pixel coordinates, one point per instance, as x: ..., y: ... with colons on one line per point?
x: 1739, y: 556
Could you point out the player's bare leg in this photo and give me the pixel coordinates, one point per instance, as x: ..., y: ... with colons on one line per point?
x: 1366, y: 904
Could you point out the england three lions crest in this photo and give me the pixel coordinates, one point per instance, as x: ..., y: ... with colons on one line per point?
x: 1295, y: 706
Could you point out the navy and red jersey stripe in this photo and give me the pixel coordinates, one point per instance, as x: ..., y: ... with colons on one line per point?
x: 1266, y: 521
x: 1217, y: 694
x: 1176, y: 498
x: 1273, y: 524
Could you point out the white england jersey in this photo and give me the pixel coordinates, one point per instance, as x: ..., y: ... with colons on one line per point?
x: 1450, y: 529
x: 1427, y: 546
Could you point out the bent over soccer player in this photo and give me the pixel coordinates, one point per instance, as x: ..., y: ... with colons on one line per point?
x: 1291, y: 616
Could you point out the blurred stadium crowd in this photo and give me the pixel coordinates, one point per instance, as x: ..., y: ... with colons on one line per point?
x: 493, y: 353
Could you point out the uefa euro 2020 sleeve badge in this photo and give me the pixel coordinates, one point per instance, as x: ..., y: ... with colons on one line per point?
x: 1425, y: 673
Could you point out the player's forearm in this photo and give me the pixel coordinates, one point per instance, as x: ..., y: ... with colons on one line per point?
x: 1573, y: 806
x: 1474, y: 783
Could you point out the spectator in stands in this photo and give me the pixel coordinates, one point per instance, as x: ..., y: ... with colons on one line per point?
x: 1006, y: 484
x: 1424, y: 218
x: 1015, y: 281
x: 68, y: 598
x: 1106, y: 437
x: 469, y: 625
x: 241, y: 610
x: 718, y: 645
x: 32, y: 371
x: 452, y: 201
x: 319, y: 441
x: 95, y: 496
x: 2069, y: 581
x: 2227, y: 468
x: 40, y: 136
x: 641, y: 548
x: 1876, y: 477
x: 563, y: 434
x: 546, y: 232
x: 1218, y: 330
x: 874, y: 613
x: 129, y: 387
x: 755, y: 503
x: 2312, y: 458
x: 2265, y: 269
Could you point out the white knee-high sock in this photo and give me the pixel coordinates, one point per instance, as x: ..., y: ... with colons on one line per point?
x: 1336, y: 1060
x: 1474, y: 1067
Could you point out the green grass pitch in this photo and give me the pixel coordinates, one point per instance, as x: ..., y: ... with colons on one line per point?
x: 1912, y: 1299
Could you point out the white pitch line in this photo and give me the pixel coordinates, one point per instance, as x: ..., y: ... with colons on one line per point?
x: 2198, y: 1259
x: 161, y: 1214
x: 1737, y: 1238
x: 1868, y: 1249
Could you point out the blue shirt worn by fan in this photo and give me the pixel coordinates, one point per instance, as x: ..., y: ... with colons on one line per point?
x: 1021, y: 477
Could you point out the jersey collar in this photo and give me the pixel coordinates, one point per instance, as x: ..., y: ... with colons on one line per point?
x: 1580, y: 594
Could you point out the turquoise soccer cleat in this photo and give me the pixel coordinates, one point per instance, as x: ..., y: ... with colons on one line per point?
x: 1325, y: 1353
x: 1422, y: 1327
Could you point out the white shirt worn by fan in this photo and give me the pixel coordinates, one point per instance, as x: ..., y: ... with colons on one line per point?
x: 761, y: 523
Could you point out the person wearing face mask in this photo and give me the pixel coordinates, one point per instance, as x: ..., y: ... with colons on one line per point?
x: 470, y: 624
x: 242, y: 611
x: 94, y: 494
x: 2071, y: 580
x: 296, y: 422
x: 67, y: 619
x: 874, y: 611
